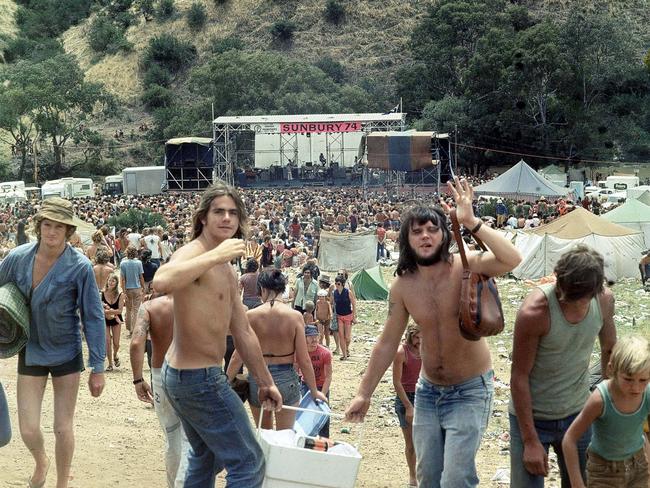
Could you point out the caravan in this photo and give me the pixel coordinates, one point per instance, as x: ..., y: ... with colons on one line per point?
x: 68, y: 188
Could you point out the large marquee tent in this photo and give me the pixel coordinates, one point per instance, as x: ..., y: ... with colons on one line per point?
x: 542, y: 247
x: 522, y: 182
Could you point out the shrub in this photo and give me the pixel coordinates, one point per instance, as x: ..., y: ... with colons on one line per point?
x: 114, y: 7
x: 105, y: 37
x: 283, y: 30
x: 146, y: 8
x: 169, y: 52
x: 196, y: 16
x: 156, y: 75
x: 136, y: 218
x: 334, y: 12
x: 220, y: 2
x: 221, y: 45
x: 157, y: 96
x: 166, y: 9
x: 332, y: 68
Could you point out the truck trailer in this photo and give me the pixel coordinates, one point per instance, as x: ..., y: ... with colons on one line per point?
x: 144, y: 180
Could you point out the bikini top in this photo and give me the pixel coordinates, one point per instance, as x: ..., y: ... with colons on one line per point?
x: 271, y: 355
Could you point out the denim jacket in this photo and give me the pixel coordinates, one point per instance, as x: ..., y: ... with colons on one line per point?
x: 66, y: 297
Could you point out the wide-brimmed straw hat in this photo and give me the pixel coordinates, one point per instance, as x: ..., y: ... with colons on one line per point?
x: 59, y: 210
x: 14, y: 320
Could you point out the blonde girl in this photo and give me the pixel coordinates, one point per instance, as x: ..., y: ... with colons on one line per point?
x: 113, y: 300
x: 617, y: 409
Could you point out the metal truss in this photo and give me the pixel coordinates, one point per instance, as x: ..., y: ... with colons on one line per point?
x: 224, y: 135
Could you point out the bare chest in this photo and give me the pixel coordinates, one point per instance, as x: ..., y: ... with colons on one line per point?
x: 41, y: 268
x: 433, y: 303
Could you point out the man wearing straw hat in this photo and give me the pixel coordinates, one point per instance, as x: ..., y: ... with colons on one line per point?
x: 60, y: 285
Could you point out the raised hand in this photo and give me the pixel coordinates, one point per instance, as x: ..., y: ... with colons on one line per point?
x: 230, y: 249
x: 463, y: 194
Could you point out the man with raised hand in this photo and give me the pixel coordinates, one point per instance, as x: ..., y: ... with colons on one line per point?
x: 454, y: 393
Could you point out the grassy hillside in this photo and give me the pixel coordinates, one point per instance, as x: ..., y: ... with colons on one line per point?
x: 371, y: 41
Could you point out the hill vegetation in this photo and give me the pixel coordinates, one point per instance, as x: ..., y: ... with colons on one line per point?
x: 548, y: 77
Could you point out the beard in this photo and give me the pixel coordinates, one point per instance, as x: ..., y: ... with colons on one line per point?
x: 431, y: 260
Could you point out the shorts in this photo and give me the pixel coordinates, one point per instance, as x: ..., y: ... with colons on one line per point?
x: 75, y: 365
x: 400, y: 409
x: 285, y: 379
x: 346, y: 319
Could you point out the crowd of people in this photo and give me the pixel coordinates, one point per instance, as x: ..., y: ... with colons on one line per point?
x: 199, y: 320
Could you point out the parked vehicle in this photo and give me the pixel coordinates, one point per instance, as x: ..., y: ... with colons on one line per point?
x: 144, y: 180
x: 68, y: 188
x: 113, y: 185
x: 619, y: 182
x: 7, y: 186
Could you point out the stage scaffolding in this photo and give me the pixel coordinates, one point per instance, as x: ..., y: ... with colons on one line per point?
x: 288, y: 127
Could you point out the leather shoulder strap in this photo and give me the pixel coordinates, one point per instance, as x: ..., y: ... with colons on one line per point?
x: 455, y: 226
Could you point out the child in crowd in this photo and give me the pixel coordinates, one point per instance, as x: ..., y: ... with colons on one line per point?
x: 323, y: 316
x: 308, y: 315
x: 321, y: 361
x: 617, y: 410
x: 406, y: 371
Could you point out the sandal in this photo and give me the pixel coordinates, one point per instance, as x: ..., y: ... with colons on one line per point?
x: 116, y: 360
x: 31, y: 484
x: 110, y: 368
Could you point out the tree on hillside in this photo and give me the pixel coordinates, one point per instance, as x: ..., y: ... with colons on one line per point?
x: 59, y: 102
x: 254, y: 82
x: 15, y: 119
x: 571, y: 88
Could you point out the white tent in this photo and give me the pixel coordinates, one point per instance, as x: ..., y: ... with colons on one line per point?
x: 633, y: 214
x: 522, y: 182
x: 353, y: 252
x: 542, y: 247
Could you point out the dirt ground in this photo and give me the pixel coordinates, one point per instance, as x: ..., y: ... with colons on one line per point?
x: 119, y: 442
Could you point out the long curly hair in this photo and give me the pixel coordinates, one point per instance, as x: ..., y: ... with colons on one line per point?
x: 421, y: 215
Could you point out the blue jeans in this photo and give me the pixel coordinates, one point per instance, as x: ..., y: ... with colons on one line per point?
x: 5, y: 422
x: 217, y: 428
x: 448, y: 424
x: 550, y: 433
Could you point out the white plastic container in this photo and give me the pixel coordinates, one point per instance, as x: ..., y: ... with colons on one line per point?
x: 295, y: 467
x: 289, y: 466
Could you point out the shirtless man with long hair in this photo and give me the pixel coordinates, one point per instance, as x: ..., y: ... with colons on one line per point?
x: 204, y: 287
x: 454, y: 393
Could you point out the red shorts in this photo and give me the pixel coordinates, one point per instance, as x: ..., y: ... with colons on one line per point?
x: 345, y: 319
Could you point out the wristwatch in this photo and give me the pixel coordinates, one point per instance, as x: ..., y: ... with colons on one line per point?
x: 139, y: 380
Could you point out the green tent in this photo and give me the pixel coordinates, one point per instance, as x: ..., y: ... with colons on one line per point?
x: 369, y: 284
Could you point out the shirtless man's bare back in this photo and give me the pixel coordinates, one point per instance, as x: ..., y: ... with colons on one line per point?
x: 156, y: 319
x: 454, y: 394
x: 206, y: 305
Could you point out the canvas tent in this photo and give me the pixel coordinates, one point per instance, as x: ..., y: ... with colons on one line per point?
x: 542, y: 247
x: 633, y: 214
x: 644, y: 197
x: 353, y: 252
x: 521, y: 182
x: 369, y: 284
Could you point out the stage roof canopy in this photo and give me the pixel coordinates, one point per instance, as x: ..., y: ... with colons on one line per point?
x: 204, y: 141
x: 277, y: 119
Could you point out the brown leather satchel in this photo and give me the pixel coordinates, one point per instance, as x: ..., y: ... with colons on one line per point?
x: 480, y: 313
